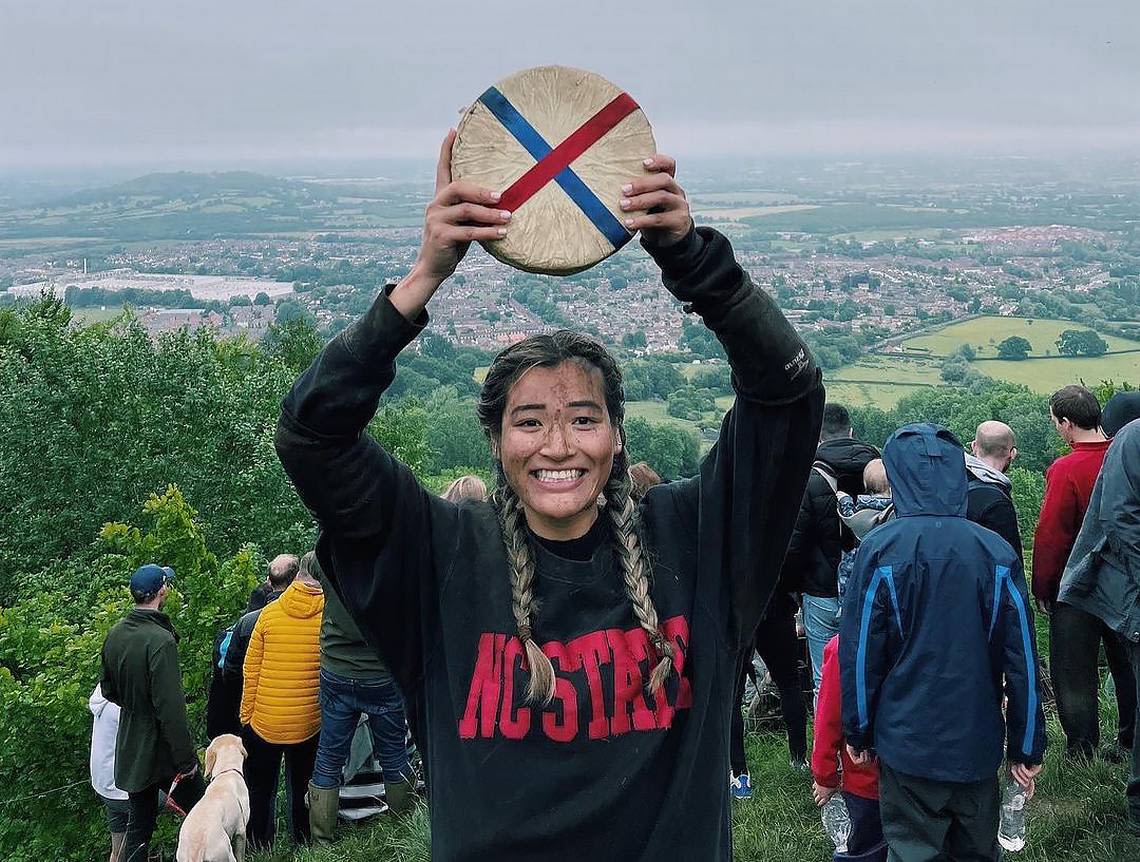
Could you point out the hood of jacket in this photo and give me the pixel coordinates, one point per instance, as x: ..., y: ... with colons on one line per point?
x: 847, y: 458
x: 1122, y: 408
x: 926, y: 471
x: 302, y: 601
x: 983, y: 472
x: 97, y: 702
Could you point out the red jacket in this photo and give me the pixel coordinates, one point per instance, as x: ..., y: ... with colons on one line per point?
x: 828, y: 748
x: 1068, y: 485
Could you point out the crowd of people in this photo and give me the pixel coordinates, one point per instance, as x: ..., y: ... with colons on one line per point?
x: 935, y: 725
x: 292, y: 677
x: 570, y: 652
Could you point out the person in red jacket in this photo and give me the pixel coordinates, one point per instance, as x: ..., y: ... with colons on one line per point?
x: 859, y: 783
x: 1075, y: 636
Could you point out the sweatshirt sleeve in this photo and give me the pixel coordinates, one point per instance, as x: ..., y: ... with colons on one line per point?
x: 1056, y: 532
x: 869, y: 614
x: 169, y: 704
x: 1024, y: 714
x: 827, y: 738
x: 375, y: 518
x: 767, y: 441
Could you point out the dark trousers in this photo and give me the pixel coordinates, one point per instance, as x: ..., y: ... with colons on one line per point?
x: 866, y: 841
x: 930, y: 821
x: 779, y: 649
x: 1074, y: 652
x: 262, y: 769
x: 144, y: 813
x: 1134, y: 780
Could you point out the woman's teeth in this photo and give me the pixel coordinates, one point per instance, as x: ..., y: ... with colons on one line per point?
x: 559, y: 475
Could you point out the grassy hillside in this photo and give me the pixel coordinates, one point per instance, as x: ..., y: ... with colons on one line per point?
x: 1077, y: 816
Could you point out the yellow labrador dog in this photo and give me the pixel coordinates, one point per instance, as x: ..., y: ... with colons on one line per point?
x: 214, y: 830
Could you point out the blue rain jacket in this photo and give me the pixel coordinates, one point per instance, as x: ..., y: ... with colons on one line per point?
x: 935, y: 615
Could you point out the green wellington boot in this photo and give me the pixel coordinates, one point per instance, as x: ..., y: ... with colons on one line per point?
x: 398, y: 796
x: 323, y: 802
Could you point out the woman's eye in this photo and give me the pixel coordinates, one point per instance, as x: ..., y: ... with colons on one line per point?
x: 585, y: 420
x: 527, y: 423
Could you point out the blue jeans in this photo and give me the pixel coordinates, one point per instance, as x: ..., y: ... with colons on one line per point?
x: 821, y: 622
x: 343, y: 701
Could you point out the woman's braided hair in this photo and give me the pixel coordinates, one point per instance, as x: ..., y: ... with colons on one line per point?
x: 549, y: 351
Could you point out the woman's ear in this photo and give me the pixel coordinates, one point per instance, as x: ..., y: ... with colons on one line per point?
x: 495, y: 447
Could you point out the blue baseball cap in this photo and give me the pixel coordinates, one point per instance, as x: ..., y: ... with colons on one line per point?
x: 149, y: 579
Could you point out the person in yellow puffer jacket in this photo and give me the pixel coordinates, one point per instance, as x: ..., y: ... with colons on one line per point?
x: 280, y: 711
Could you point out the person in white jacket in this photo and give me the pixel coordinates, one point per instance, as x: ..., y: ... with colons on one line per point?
x: 103, y: 732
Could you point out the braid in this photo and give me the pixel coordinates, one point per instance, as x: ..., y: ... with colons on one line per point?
x: 635, y: 569
x: 540, y: 689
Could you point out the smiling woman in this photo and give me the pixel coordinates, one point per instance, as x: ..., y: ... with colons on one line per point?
x: 560, y: 617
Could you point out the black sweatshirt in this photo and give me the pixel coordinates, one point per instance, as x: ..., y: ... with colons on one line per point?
x: 607, y: 770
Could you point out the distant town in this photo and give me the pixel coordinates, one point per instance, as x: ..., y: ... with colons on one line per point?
x: 871, y: 266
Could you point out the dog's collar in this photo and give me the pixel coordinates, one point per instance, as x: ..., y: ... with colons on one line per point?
x: 224, y: 771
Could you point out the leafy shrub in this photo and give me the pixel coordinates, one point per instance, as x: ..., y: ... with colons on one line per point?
x: 49, y: 663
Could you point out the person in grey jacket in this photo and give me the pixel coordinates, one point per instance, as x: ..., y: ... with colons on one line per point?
x: 1102, y: 576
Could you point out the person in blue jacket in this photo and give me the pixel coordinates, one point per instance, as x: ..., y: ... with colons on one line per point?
x: 936, y: 616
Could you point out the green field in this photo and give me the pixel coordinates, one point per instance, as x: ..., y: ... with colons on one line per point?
x: 654, y: 411
x: 96, y: 315
x: 985, y: 333
x: 881, y: 381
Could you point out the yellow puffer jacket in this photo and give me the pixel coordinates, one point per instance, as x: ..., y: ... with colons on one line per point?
x: 279, y: 696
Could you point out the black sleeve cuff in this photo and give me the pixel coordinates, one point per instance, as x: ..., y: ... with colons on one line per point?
x: 680, y: 258
x: 378, y: 336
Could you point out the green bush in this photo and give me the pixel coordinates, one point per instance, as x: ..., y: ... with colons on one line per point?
x: 50, y: 644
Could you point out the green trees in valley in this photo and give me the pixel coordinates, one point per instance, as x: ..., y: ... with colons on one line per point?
x: 1015, y: 347
x: 1081, y: 342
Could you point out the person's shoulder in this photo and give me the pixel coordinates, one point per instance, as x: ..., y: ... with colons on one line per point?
x: 986, y: 494
x: 997, y: 550
x: 1064, y: 464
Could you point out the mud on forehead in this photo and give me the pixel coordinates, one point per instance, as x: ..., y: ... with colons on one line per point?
x: 572, y: 379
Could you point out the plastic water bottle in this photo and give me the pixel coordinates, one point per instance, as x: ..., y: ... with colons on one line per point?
x: 837, y: 822
x: 1011, y: 832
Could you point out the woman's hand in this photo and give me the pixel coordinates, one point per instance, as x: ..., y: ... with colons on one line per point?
x: 459, y: 214
x: 668, y: 220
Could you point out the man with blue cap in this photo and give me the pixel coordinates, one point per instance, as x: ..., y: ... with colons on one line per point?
x: 141, y: 675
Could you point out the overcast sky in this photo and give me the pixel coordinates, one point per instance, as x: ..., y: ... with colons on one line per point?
x: 198, y: 80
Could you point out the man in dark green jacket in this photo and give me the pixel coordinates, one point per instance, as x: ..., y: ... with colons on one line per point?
x: 141, y: 675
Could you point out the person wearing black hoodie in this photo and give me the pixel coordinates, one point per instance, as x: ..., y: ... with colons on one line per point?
x: 989, y: 498
x: 819, y: 539
x: 573, y: 664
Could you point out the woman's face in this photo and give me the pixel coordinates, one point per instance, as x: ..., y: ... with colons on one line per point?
x: 557, y: 446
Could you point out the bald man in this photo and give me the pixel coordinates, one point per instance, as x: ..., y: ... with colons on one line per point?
x: 989, y: 500
x: 282, y: 570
